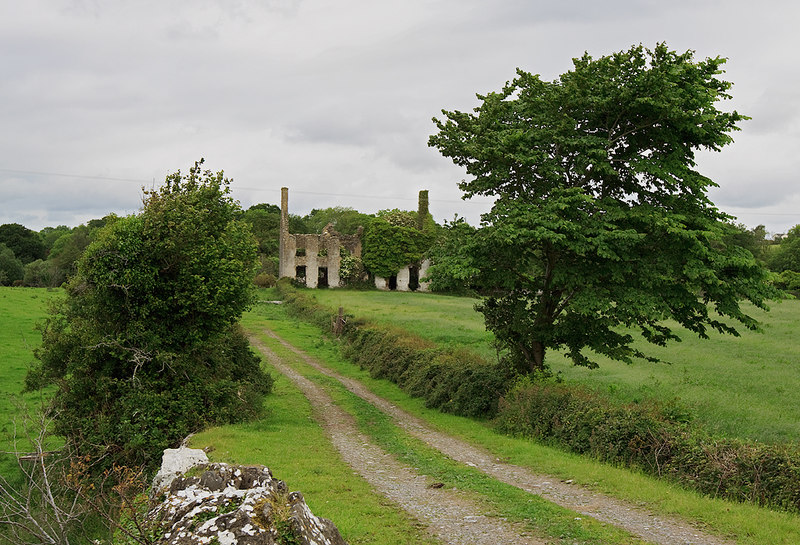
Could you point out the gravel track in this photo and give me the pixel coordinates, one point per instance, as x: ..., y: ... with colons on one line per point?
x: 449, y: 515
x: 658, y: 529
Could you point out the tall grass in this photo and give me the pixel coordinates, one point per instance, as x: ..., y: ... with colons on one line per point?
x: 744, y: 387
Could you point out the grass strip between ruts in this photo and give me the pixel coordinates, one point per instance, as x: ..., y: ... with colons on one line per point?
x: 544, y: 518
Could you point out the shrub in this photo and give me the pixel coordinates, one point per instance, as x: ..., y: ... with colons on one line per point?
x: 654, y: 438
x: 264, y: 280
x: 789, y: 281
x: 144, y: 349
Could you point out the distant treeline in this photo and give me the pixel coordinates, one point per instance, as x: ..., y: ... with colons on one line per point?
x: 46, y: 258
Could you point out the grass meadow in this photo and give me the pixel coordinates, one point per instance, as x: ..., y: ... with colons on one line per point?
x: 745, y: 387
x: 20, y: 310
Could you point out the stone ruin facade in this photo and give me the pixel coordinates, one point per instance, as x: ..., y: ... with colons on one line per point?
x: 316, y: 259
x: 406, y: 278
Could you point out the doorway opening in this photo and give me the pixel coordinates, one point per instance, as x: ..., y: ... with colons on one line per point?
x: 413, y: 278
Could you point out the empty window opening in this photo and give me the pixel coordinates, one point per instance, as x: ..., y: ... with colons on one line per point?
x: 300, y: 273
x: 300, y: 252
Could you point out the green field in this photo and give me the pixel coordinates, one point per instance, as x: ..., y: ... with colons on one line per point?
x: 331, y: 488
x: 746, y: 387
x: 20, y: 310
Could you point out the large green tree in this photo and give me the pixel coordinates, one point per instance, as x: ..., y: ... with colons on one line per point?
x: 602, y: 224
x: 25, y: 244
x: 145, y: 349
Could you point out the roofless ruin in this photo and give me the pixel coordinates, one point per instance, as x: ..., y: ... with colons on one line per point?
x: 315, y: 259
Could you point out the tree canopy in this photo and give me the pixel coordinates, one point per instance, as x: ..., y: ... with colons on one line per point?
x: 26, y: 244
x: 601, y: 223
x: 145, y: 348
x: 11, y: 268
x: 393, y: 240
x: 786, y: 256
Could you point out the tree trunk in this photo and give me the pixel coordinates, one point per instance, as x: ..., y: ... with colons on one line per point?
x: 537, y: 361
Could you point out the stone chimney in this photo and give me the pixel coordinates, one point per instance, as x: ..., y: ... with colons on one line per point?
x: 284, y: 262
x: 422, y: 210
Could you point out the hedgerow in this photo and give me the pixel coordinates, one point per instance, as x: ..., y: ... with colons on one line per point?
x: 656, y: 438
x: 452, y: 380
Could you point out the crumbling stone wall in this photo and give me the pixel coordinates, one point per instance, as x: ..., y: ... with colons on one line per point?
x: 230, y: 505
x: 403, y: 279
x: 313, y: 253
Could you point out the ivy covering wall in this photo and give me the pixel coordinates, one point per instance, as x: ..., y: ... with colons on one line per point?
x: 392, y: 240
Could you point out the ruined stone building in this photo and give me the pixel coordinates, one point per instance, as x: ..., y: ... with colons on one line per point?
x: 316, y: 259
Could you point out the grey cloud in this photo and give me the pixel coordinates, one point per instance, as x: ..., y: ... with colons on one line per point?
x: 318, y: 95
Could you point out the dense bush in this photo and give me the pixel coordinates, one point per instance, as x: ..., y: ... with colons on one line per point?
x: 789, y: 281
x: 38, y: 274
x: 263, y: 280
x: 656, y: 439
x: 145, y: 349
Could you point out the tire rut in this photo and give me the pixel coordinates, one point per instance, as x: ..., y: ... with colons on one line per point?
x: 663, y: 530
x: 448, y: 514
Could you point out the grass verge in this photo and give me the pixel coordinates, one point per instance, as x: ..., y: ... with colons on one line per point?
x: 743, y: 387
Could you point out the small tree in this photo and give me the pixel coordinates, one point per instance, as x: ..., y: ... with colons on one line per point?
x: 145, y: 349
x: 601, y: 221
x: 37, y: 274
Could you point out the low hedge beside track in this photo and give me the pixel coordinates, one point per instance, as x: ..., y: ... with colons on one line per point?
x: 657, y: 439
x: 452, y: 380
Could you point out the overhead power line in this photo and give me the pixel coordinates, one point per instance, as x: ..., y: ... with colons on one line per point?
x: 739, y: 211
x: 276, y: 190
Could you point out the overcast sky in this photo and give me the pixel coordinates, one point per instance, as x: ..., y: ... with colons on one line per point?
x: 334, y: 99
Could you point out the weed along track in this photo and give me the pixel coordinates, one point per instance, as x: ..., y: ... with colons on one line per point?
x: 451, y: 516
x: 623, y: 515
